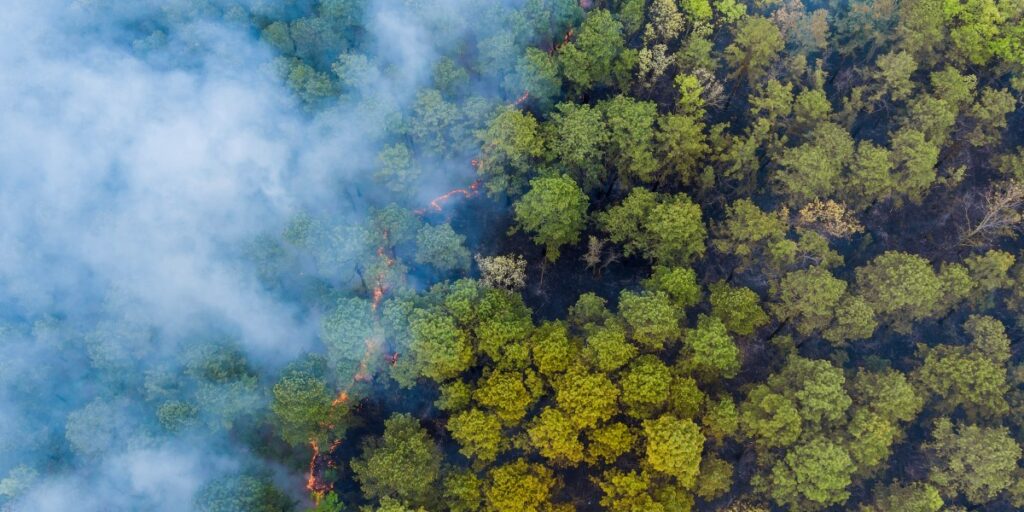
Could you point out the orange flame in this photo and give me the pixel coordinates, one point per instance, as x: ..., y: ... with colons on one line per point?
x: 521, y: 99
x: 341, y: 398
x: 312, y: 485
x: 378, y: 295
x: 363, y: 374
x: 437, y: 203
x: 565, y: 41
x: 318, y: 460
x: 379, y: 287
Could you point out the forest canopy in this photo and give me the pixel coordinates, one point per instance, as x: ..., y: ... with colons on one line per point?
x: 624, y: 255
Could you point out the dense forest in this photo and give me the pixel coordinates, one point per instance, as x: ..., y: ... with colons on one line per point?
x: 530, y: 255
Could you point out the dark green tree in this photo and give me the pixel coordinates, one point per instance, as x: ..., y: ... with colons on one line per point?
x: 554, y: 210
x: 403, y: 464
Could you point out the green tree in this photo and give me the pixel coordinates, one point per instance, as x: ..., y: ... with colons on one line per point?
x: 749, y: 233
x: 509, y: 394
x: 455, y: 396
x: 666, y: 229
x: 242, y: 493
x: 810, y: 108
x: 953, y: 87
x: 933, y: 117
x: 630, y: 126
x: 478, y: 433
x: 589, y: 60
x: 503, y: 324
x: 176, y: 415
x: 303, y: 405
x: 988, y: 115
x: 715, y: 478
x: 397, y: 172
x: 439, y: 349
x: 497, y: 52
x: 590, y: 310
x: 977, y: 462
x: 588, y: 398
x: 911, y: 497
x: 870, y: 179
x: 552, y: 350
x: 679, y: 283
x: 914, y: 161
x: 555, y: 436
x: 652, y: 318
x: 666, y: 22
x: 356, y: 73
x: 403, y: 464
x: 519, y: 487
x: 392, y: 225
x: 809, y: 298
x: 608, y: 442
x: 854, y: 320
x: 511, y: 144
x: 971, y: 377
x: 812, y: 170
x: 673, y: 447
x: 555, y: 211
x: 870, y: 440
x: 577, y: 138
x: 441, y: 247
x: 627, y: 492
x: 901, y: 288
x: 921, y: 28
x: 228, y: 388
x: 737, y: 307
x: 388, y: 504
x: 682, y: 144
x: 277, y: 34
x: 756, y: 44
x: 536, y: 73
x: 607, y: 349
x: 645, y: 386
x: 865, y: 26
x: 685, y: 398
x: 893, y: 76
x: 989, y: 273
x: 311, y: 86
x: 814, y: 474
x: 433, y: 122
x: 816, y: 386
x: 770, y: 419
x: 690, y: 102
x: 887, y: 393
x: 463, y: 491
x: 450, y: 78
x: 976, y: 31
x: 721, y: 419
x: 710, y: 351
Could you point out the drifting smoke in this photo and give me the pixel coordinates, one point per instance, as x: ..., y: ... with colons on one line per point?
x: 134, y: 170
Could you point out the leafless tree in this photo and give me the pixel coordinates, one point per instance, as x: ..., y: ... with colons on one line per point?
x: 597, y: 257
x: 595, y: 246
x: 992, y: 213
x: 508, y: 271
x: 829, y: 218
x: 712, y: 90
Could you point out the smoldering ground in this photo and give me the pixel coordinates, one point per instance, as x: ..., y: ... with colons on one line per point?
x: 137, y: 159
